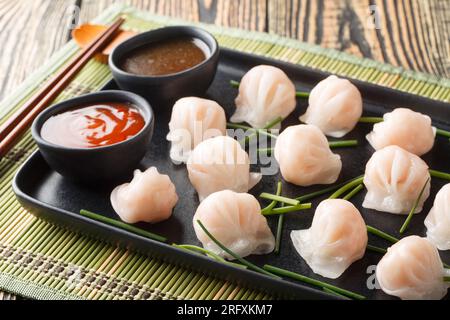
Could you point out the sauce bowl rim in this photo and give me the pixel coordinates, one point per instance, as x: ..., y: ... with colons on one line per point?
x: 214, y: 48
x: 139, y: 102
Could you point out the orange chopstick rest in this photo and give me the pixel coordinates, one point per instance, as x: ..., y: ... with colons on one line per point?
x: 85, y: 33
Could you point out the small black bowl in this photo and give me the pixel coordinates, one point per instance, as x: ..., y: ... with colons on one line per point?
x: 100, y: 164
x: 166, y: 88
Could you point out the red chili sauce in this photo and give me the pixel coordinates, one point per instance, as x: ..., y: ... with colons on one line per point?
x: 93, y: 126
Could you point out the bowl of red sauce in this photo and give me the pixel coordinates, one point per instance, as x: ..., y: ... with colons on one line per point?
x: 166, y: 64
x: 96, y: 137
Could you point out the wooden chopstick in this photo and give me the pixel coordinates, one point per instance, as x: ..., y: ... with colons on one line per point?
x: 11, y: 130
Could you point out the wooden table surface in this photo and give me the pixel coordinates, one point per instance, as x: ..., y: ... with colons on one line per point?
x: 414, y: 34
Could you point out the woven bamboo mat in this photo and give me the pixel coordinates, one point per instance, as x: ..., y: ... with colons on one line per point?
x: 42, y: 261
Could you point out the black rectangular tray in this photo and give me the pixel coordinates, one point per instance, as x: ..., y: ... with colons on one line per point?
x: 48, y: 195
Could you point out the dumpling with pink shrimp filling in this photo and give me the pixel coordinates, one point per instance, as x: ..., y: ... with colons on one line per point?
x: 304, y: 156
x: 193, y: 120
x: 336, y: 239
x: 394, y: 178
x: 265, y: 93
x: 412, y: 270
x: 220, y: 163
x: 335, y: 106
x: 149, y: 197
x: 235, y: 220
x: 405, y: 128
x: 438, y: 219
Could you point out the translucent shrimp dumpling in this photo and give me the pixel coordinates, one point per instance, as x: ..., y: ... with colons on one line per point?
x: 335, y: 106
x: 412, y: 270
x: 220, y: 163
x: 438, y: 220
x: 304, y: 156
x: 404, y: 128
x: 336, y: 239
x: 265, y: 93
x: 236, y: 221
x: 193, y: 120
x: 394, y: 178
x: 149, y: 197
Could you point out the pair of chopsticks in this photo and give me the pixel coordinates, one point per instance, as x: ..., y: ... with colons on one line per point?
x: 21, y: 120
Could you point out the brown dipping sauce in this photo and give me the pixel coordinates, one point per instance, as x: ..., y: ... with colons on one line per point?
x: 93, y: 126
x: 166, y: 57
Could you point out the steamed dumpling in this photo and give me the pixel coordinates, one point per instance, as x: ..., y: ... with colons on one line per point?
x: 193, y: 120
x: 336, y: 239
x: 412, y: 270
x: 335, y: 106
x: 149, y: 197
x: 236, y: 221
x: 305, y: 158
x: 404, y: 128
x: 265, y: 93
x: 394, y: 178
x: 220, y: 163
x: 438, y: 220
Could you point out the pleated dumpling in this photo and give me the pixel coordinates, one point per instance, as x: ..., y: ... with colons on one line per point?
x: 404, y: 128
x: 412, y: 270
x: 236, y: 221
x: 220, y: 163
x: 336, y: 239
x: 438, y: 220
x: 394, y: 178
x: 149, y: 197
x: 335, y: 106
x: 304, y: 156
x: 265, y: 93
x: 193, y: 120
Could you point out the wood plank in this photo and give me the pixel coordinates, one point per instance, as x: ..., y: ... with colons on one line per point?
x: 413, y: 34
x: 31, y: 31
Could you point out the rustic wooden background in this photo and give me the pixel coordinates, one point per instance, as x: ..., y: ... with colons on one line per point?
x: 414, y: 34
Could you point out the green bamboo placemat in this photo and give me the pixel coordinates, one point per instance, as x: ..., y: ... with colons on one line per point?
x: 42, y: 261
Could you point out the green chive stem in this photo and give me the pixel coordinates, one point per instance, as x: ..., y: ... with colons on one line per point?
x: 265, y: 150
x: 343, y: 143
x: 122, y: 225
x: 443, y: 133
x: 447, y: 279
x: 274, y: 202
x: 278, y: 198
x: 234, y: 255
x: 376, y: 249
x: 298, y: 94
x: 355, y: 190
x: 209, y: 253
x: 370, y: 119
x: 314, y: 282
x: 324, y: 191
x: 334, y: 293
x: 231, y: 125
x: 413, y: 209
x: 273, y: 123
x: 332, y: 144
x: 234, y: 83
x: 381, y: 234
x: 303, y: 95
x: 346, y: 187
x: 279, y: 233
x: 282, y: 210
x: 439, y: 174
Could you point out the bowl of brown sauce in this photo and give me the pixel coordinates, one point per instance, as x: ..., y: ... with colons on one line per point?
x: 166, y: 64
x: 96, y: 137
